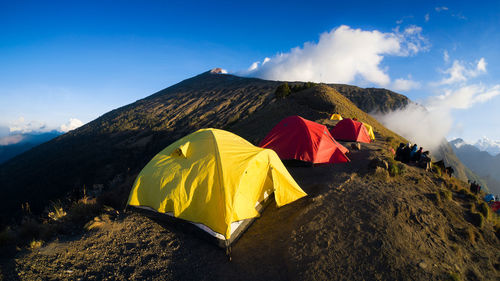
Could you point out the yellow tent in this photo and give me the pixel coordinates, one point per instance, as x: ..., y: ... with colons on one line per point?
x: 213, y: 179
x: 336, y: 116
x: 369, y: 128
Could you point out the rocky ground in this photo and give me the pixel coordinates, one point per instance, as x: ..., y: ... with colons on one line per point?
x: 357, y: 223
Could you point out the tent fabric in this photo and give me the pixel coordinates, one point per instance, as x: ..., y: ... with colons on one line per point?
x: 489, y: 197
x: 350, y: 130
x: 336, y: 116
x: 297, y: 138
x: 369, y: 128
x: 495, y: 206
x: 213, y: 177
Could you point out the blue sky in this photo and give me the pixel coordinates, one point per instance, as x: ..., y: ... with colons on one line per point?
x: 69, y: 60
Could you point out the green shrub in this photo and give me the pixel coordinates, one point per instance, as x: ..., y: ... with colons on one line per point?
x: 282, y: 91
x: 393, y: 167
x: 304, y: 86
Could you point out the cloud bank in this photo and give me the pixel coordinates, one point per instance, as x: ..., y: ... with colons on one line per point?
x: 404, y: 85
x: 428, y: 125
x: 72, y: 124
x: 21, y: 126
x: 341, y: 56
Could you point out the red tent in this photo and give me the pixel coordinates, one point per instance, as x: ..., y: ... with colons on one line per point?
x: 350, y: 130
x: 297, y: 138
x: 495, y: 206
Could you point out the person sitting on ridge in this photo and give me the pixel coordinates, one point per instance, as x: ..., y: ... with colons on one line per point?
x: 425, y: 161
x: 406, y: 153
x: 399, y: 152
x: 418, y: 155
x: 413, y: 152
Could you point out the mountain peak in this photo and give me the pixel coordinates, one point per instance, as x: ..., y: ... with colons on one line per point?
x: 488, y: 145
x: 218, y: 70
x: 458, y: 142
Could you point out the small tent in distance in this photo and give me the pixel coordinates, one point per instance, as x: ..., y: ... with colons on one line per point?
x: 350, y: 130
x: 214, y: 179
x: 336, y: 116
x: 369, y: 128
x: 296, y: 138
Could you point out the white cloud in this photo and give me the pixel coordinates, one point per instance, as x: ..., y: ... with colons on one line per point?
x: 439, y: 9
x: 430, y: 124
x: 481, y: 65
x: 425, y: 127
x: 405, y: 85
x: 8, y: 140
x: 21, y: 126
x: 427, y: 17
x: 254, y: 66
x: 72, y: 124
x: 446, y: 56
x: 461, y: 72
x: 463, y: 97
x: 341, y: 56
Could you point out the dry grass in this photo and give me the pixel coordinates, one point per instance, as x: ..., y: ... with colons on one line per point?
x: 484, y: 209
x: 57, y: 212
x: 35, y: 244
x: 468, y: 234
x: 453, y: 276
x: 446, y: 194
x: 83, y: 210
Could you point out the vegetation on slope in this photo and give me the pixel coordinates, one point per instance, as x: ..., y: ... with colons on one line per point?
x: 110, y: 150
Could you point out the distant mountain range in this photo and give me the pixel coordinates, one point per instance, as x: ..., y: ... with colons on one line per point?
x: 488, y: 145
x: 15, y: 144
x: 480, y: 162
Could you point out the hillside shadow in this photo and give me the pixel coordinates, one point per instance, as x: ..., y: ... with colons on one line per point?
x: 8, y: 265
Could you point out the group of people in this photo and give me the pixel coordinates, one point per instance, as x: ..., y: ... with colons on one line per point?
x: 474, y: 187
x: 413, y: 154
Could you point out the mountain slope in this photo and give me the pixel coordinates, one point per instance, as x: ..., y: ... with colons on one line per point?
x: 357, y: 222
x: 480, y: 162
x: 372, y: 99
x: 110, y: 150
x: 24, y: 143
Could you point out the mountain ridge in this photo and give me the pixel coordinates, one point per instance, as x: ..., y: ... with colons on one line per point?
x: 132, y: 134
x: 480, y: 162
x: 370, y: 219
